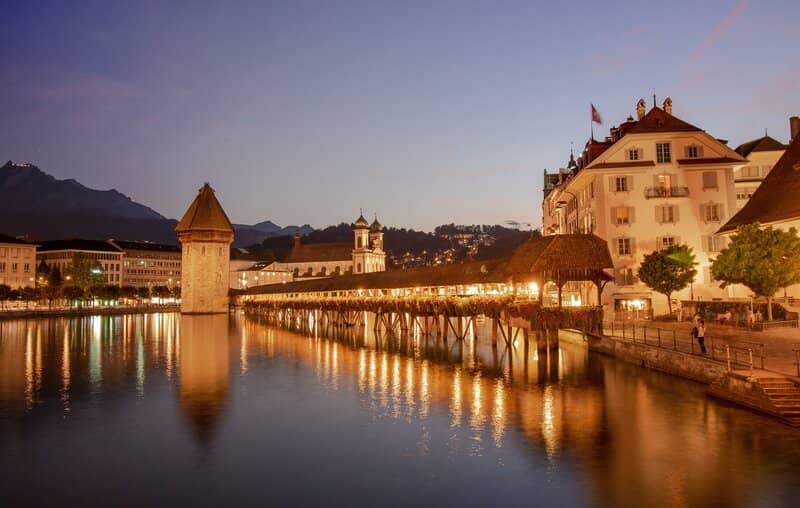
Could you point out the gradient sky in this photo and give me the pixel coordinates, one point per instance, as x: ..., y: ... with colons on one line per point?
x: 426, y: 112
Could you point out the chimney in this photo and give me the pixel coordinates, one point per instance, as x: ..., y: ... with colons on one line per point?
x: 668, y: 105
x: 297, y: 239
x: 794, y: 127
x: 640, y: 109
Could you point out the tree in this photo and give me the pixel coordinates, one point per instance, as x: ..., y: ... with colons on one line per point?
x: 85, y: 270
x: 73, y: 293
x: 5, y: 294
x: 764, y: 260
x: 142, y: 293
x: 176, y: 292
x: 54, y: 278
x: 27, y: 294
x: 161, y: 292
x: 127, y: 292
x: 50, y: 293
x: 668, y: 270
x: 43, y: 273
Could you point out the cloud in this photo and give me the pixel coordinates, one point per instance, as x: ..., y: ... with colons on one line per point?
x: 721, y: 30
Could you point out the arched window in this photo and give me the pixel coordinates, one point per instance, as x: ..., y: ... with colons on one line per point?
x: 360, y: 242
x: 358, y: 268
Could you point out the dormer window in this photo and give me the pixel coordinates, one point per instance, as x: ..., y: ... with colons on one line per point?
x: 694, y: 152
x: 634, y: 154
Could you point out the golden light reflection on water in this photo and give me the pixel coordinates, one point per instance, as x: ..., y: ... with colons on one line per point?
x: 632, y: 440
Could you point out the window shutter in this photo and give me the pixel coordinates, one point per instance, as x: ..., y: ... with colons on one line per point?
x: 633, y: 246
x: 612, y: 185
x: 675, y: 209
x: 703, y: 213
x: 659, y: 242
x: 699, y: 151
x: 614, y: 214
x: 629, y: 183
x: 686, y: 151
x: 631, y: 217
x: 658, y: 214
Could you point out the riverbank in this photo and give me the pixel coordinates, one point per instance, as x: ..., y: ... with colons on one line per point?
x: 87, y: 311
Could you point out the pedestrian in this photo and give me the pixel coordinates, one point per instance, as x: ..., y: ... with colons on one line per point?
x: 701, y: 336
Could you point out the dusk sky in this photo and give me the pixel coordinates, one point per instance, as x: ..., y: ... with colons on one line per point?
x: 425, y: 112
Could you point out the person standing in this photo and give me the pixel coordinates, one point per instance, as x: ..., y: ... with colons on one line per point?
x: 701, y: 336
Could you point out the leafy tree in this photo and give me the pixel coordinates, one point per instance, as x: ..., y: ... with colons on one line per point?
x: 764, y: 260
x: 127, y: 292
x: 176, y: 292
x: 112, y: 292
x: 161, y: 292
x: 27, y: 294
x: 5, y: 294
x: 72, y: 293
x: 142, y: 292
x: 668, y: 270
x: 50, y: 293
x: 54, y: 277
x: 85, y: 271
x: 43, y: 273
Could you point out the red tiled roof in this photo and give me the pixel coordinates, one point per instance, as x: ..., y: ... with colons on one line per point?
x: 309, y: 253
x: 205, y: 213
x: 778, y: 196
x: 658, y: 120
x: 764, y: 144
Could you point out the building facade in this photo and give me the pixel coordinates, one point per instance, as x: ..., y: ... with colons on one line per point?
x: 17, y: 262
x: 654, y: 182
x: 364, y: 255
x: 761, y: 155
x: 63, y: 254
x: 206, y: 234
x: 147, y: 264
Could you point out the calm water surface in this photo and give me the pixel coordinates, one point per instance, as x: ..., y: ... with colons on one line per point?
x: 210, y: 411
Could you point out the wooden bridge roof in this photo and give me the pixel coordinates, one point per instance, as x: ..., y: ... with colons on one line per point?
x: 558, y: 257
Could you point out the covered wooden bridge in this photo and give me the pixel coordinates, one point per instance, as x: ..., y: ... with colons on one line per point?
x: 511, y: 291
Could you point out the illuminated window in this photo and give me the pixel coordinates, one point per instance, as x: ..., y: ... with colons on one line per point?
x: 665, y: 242
x: 622, y: 215
x: 711, y: 212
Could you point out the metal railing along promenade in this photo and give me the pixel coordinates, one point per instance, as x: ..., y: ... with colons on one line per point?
x: 740, y: 353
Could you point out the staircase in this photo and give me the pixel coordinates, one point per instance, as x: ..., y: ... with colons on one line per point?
x: 785, y: 397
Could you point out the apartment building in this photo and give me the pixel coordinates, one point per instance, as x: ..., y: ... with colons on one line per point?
x: 17, y: 262
x: 62, y: 253
x: 653, y: 182
x: 147, y: 264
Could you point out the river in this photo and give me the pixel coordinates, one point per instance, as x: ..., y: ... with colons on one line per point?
x: 171, y: 410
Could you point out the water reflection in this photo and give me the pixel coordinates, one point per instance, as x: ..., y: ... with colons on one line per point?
x: 612, y: 431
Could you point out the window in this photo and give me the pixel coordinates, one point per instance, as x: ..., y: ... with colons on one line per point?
x: 26, y: 268
x: 694, y: 151
x: 744, y: 193
x: 710, y: 180
x: 665, y: 242
x: 624, y: 246
x: 666, y: 214
x: 663, y: 154
x: 634, y: 154
x: 2, y: 252
x: 711, y: 212
x: 13, y: 268
x: 626, y: 277
x: 621, y: 184
x: 14, y: 252
x: 2, y: 268
x: 749, y: 172
x: 713, y: 243
x: 622, y: 215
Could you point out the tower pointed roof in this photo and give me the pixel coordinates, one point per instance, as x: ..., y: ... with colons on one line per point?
x: 361, y: 222
x: 205, y: 213
x: 376, y: 226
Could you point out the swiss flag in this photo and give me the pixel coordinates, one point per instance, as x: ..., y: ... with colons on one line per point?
x: 596, y: 118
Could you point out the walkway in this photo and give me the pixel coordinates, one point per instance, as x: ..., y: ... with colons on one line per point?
x: 779, y: 343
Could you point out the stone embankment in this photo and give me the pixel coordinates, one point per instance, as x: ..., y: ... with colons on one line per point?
x: 86, y: 311
x: 760, y: 390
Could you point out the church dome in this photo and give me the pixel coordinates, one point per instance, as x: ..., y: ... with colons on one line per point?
x: 361, y: 222
x: 376, y: 227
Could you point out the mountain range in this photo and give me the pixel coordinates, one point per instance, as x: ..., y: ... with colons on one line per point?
x: 37, y: 205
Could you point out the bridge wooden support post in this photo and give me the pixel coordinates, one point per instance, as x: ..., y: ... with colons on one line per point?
x: 445, y: 327
x: 495, y: 325
x: 460, y: 332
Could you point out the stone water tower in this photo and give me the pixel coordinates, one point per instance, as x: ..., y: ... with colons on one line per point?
x: 205, y: 234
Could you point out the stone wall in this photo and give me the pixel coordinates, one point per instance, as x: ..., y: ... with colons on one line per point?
x: 204, y: 277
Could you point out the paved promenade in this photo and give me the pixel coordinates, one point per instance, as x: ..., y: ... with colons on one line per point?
x: 779, y: 343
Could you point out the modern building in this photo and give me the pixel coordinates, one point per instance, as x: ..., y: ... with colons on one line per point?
x: 17, y: 262
x: 63, y: 253
x: 205, y: 233
x: 761, y: 155
x: 258, y: 274
x: 149, y: 264
x: 653, y: 182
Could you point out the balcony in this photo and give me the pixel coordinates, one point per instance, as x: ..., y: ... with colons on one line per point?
x: 666, y: 192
